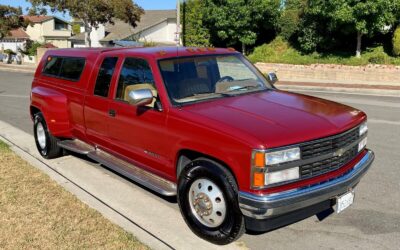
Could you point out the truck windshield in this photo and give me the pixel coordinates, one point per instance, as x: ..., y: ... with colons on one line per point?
x: 199, y: 78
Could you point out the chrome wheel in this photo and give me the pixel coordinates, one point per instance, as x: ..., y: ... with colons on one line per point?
x: 41, y: 135
x: 207, y: 203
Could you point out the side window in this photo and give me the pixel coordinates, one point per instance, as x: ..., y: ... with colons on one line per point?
x: 104, y: 77
x: 53, y: 66
x: 72, y: 68
x: 135, y: 74
x: 64, y: 67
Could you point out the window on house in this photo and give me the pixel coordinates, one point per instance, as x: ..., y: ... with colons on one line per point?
x: 59, y: 25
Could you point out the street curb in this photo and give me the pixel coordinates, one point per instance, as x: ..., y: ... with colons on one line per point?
x: 365, y: 91
x: 131, y: 206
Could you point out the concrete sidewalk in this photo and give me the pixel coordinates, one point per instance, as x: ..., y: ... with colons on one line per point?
x: 154, y: 220
x: 25, y: 68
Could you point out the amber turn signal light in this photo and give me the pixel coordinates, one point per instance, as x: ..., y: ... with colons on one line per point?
x: 259, y: 159
x: 258, y: 179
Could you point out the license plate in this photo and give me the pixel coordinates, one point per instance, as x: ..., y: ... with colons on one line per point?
x: 344, y: 201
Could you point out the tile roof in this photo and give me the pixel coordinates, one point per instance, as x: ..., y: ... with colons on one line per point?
x: 38, y: 19
x: 17, y: 33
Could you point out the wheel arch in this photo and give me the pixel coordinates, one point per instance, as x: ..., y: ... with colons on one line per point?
x: 185, y: 156
x: 33, y: 111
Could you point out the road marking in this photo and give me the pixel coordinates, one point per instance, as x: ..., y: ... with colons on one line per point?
x: 397, y: 123
x: 15, y: 96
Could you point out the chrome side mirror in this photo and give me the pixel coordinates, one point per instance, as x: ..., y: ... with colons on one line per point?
x: 271, y: 78
x: 140, y: 97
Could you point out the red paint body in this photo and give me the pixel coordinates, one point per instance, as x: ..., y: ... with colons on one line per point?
x: 226, y: 129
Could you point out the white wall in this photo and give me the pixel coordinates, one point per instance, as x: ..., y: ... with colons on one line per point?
x: 12, y: 45
x: 35, y: 32
x: 96, y: 35
x: 163, y: 32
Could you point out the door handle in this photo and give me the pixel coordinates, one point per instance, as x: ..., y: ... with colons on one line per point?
x: 112, y: 113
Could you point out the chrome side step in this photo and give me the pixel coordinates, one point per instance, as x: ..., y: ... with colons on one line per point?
x: 143, y: 177
x: 136, y: 174
x: 76, y: 146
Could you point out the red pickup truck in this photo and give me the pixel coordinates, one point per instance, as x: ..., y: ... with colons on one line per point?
x: 203, y: 124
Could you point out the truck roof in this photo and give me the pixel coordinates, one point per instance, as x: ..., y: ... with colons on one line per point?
x: 157, y: 52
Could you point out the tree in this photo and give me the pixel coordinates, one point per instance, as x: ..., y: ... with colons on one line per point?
x: 10, y: 18
x: 239, y: 21
x: 93, y: 12
x: 76, y: 29
x: 195, y: 33
x: 290, y: 19
x: 362, y: 17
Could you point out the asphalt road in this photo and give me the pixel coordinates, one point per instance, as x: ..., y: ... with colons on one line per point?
x: 372, y: 222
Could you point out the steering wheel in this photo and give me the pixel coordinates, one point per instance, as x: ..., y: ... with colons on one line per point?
x: 226, y: 79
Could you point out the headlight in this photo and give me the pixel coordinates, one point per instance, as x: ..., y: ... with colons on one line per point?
x: 286, y: 155
x: 281, y: 176
x: 261, y: 160
x: 363, y: 128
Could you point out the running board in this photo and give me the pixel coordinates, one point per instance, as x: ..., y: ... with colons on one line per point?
x: 139, y: 175
x: 76, y: 146
x: 132, y: 172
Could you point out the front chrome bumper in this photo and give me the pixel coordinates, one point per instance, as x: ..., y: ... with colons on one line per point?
x: 269, y: 206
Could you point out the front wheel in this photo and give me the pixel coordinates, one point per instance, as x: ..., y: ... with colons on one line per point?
x: 207, y: 197
x: 46, y: 143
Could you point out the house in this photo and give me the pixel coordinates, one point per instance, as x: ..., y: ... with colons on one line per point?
x: 15, y: 40
x: 49, y: 29
x: 156, y: 26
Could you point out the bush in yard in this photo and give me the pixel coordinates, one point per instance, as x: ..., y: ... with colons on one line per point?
x: 377, y: 56
x: 396, y: 42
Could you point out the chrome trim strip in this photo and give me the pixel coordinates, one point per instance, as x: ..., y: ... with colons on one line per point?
x: 265, y: 206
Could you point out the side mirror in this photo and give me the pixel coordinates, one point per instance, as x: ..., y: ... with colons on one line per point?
x: 140, y: 97
x: 271, y: 78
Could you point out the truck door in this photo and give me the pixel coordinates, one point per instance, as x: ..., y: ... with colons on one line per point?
x: 97, y: 101
x: 138, y: 133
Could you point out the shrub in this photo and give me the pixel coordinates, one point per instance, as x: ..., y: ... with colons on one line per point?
x: 272, y: 50
x: 377, y: 56
x: 396, y: 42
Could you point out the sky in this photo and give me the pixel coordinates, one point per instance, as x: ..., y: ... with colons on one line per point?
x: 145, y: 4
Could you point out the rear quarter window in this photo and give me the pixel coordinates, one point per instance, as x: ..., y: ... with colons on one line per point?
x: 69, y: 68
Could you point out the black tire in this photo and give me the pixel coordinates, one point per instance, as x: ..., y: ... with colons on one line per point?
x: 51, y: 149
x: 233, y: 225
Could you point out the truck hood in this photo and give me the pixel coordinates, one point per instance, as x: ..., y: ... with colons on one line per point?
x: 278, y: 118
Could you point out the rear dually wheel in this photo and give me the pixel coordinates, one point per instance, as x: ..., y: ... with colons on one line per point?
x: 46, y: 143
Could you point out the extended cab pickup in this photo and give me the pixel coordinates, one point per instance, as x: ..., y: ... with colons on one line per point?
x: 207, y: 126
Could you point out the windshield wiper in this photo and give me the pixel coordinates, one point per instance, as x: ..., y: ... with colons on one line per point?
x: 232, y: 91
